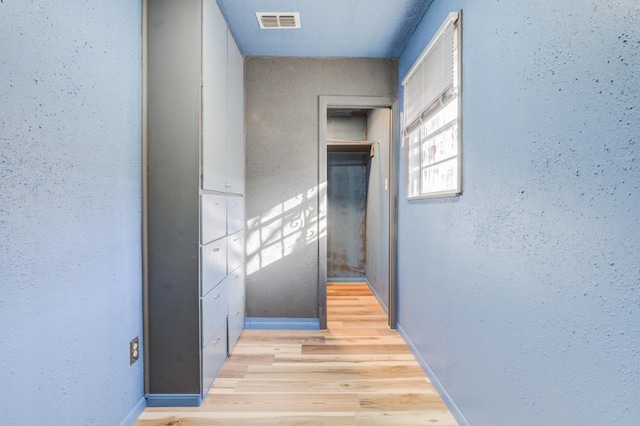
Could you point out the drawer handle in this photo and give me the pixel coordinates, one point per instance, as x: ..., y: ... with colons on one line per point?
x: 216, y: 342
x: 236, y: 277
x: 235, y: 240
x: 215, y: 250
x: 236, y: 314
x: 217, y: 296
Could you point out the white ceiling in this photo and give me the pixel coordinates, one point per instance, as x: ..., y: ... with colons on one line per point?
x: 329, y: 28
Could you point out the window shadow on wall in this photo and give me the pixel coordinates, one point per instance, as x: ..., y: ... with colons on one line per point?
x: 284, y: 228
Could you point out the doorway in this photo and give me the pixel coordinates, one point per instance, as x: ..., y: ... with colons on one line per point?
x: 357, y: 198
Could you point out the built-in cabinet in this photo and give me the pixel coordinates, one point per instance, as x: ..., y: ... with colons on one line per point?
x: 222, y: 107
x: 195, y: 199
x: 235, y: 118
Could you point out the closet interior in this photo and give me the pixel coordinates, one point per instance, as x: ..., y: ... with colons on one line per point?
x: 358, y: 141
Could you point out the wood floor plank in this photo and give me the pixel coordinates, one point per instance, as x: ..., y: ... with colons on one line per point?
x: 354, y: 349
x: 393, y: 386
x: 358, y: 372
x: 250, y: 419
x: 364, y: 340
x: 224, y: 385
x: 405, y: 418
x: 401, y: 402
x: 367, y: 359
x: 287, y: 402
x: 260, y: 349
x: 259, y: 359
x: 379, y: 318
x: 357, y: 323
x: 316, y: 372
x: 271, y: 338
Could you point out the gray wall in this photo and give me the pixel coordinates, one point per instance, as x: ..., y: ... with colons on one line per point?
x: 70, y: 212
x: 377, y: 233
x: 523, y: 294
x: 282, y: 172
x: 173, y: 211
x: 346, y: 125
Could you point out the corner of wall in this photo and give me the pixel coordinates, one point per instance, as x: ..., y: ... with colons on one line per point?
x: 455, y: 411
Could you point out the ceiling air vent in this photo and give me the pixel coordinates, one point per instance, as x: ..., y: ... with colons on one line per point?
x: 279, y: 20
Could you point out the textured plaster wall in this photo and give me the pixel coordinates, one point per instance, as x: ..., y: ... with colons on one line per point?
x: 70, y: 262
x: 346, y: 127
x: 523, y: 294
x: 281, y: 98
x: 377, y: 246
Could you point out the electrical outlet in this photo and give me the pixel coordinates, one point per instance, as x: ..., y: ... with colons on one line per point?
x: 134, y: 350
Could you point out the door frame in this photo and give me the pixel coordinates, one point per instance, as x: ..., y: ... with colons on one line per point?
x: 369, y: 102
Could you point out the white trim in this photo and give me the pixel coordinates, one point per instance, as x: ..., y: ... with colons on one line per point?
x: 426, y: 98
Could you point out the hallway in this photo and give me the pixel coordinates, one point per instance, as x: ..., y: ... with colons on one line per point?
x: 357, y: 372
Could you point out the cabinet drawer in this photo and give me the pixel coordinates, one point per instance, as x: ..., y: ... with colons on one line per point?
x: 235, y: 245
x: 213, y: 261
x: 214, y: 312
x: 235, y: 287
x: 213, y: 217
x: 235, y: 301
x: 236, y: 323
x: 235, y: 214
x: 213, y: 356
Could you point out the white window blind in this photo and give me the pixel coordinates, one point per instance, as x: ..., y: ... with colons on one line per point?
x: 433, y: 73
x: 432, y: 115
x: 437, y: 68
x: 413, y: 104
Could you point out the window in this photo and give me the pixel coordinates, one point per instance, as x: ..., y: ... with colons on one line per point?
x: 432, y: 116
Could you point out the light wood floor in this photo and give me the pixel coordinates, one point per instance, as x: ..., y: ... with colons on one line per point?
x: 357, y: 372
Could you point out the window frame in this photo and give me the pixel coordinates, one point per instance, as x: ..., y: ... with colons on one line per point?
x: 420, y: 131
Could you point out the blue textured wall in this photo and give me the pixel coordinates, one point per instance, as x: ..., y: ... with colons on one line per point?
x: 70, y: 252
x: 523, y: 294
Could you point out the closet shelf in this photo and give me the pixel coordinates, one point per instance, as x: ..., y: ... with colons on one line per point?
x: 339, y: 146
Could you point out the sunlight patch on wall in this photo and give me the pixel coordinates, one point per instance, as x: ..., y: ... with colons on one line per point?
x: 284, y: 228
